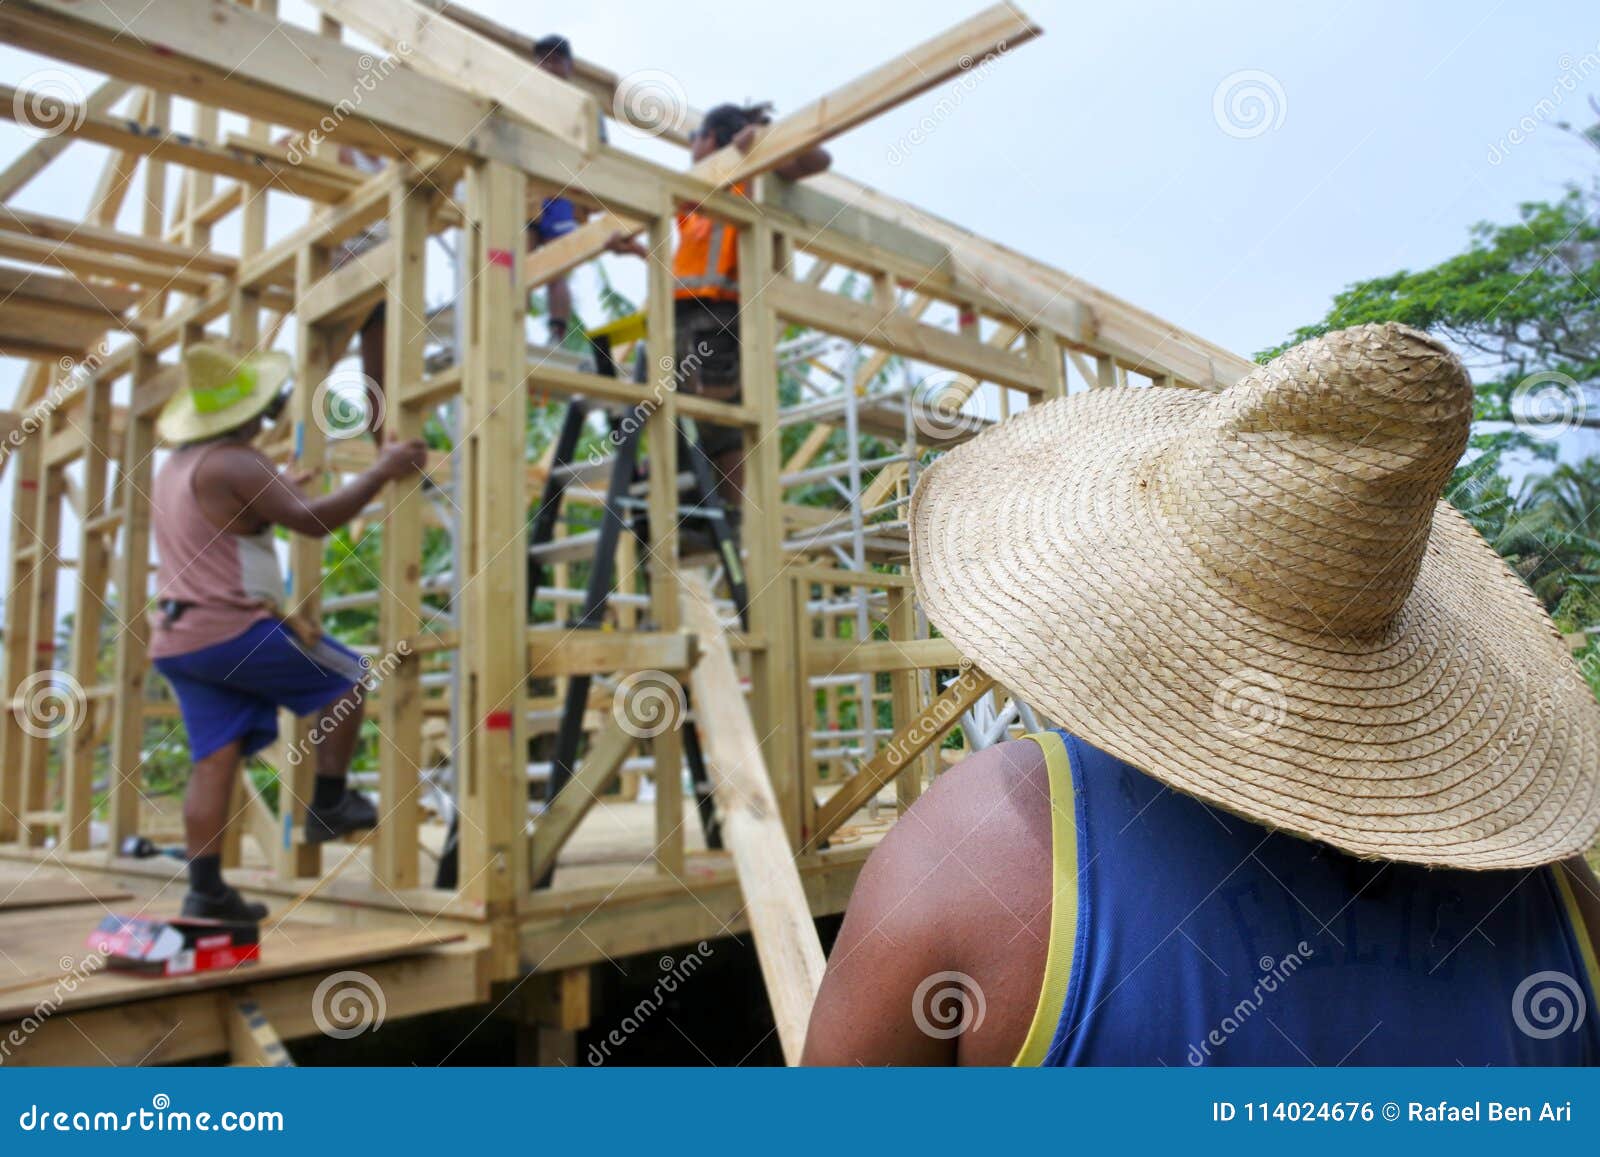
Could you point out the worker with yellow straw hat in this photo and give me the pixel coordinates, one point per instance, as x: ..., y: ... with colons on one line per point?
x: 1325, y: 773
x: 221, y: 636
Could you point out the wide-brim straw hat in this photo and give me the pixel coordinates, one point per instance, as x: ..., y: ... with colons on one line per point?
x: 222, y: 390
x: 1258, y: 598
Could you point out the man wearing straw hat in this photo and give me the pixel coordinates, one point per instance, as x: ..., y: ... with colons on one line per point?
x: 221, y: 637
x: 1326, y: 773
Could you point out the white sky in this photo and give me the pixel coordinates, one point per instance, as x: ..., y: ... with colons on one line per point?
x: 1097, y: 147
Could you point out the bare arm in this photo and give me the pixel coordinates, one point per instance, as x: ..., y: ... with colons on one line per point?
x: 807, y: 164
x: 265, y: 495
x: 942, y: 951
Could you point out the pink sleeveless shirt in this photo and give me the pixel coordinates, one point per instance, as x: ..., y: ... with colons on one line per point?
x: 230, y: 581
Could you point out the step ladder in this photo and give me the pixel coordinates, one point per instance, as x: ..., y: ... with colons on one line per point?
x: 625, y: 510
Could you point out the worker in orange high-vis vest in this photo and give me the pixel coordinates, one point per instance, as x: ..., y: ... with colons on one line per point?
x: 706, y: 271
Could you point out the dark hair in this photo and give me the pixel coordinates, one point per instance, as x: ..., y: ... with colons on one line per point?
x: 724, y: 122
x: 552, y: 47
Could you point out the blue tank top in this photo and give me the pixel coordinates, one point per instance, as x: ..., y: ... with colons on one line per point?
x: 1183, y: 935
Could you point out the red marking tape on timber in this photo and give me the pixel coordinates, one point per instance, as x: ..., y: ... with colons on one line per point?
x: 497, y: 721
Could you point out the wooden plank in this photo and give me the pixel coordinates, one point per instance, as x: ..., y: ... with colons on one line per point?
x: 911, y: 740
x: 555, y: 652
x: 102, y: 303
x: 94, y: 263
x: 56, y: 891
x: 37, y: 156
x: 144, y: 140
x: 997, y: 28
x: 17, y: 643
x: 495, y: 794
x: 882, y: 325
x: 352, y: 290
x: 845, y: 656
x: 453, y: 53
x: 400, y: 760
x: 596, y: 772
x: 661, y: 432
x: 786, y: 939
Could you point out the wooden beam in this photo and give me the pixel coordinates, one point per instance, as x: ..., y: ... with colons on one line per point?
x: 881, y: 325
x: 455, y: 54
x: 108, y: 240
x: 914, y: 737
x: 995, y: 29
x: 845, y: 656
x: 595, y: 773
x: 37, y: 156
x: 555, y: 652
x: 140, y: 139
x: 252, y: 1041
x: 786, y: 939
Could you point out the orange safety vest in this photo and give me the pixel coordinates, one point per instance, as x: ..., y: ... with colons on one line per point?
x: 706, y: 264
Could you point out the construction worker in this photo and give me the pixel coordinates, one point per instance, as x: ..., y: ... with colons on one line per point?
x: 1327, y: 772
x: 557, y: 216
x: 705, y: 267
x: 221, y: 636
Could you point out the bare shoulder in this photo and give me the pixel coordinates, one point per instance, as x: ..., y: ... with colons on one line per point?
x: 960, y: 884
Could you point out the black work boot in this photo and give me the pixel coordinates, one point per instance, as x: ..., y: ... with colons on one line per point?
x: 227, y: 906
x: 353, y: 813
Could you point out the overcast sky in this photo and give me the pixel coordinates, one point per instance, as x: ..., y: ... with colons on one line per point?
x: 1228, y: 166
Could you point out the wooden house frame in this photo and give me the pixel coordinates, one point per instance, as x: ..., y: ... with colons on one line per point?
x: 473, y: 135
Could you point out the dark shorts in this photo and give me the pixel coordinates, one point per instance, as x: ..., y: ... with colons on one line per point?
x: 556, y: 218
x: 232, y: 691
x: 708, y: 362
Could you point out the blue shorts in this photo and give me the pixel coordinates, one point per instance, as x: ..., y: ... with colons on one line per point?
x: 231, y: 691
x: 556, y: 219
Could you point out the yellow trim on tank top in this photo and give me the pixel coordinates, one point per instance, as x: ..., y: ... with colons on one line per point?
x: 1580, y: 930
x: 1064, y: 901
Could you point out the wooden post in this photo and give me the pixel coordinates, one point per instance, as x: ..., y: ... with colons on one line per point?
x: 21, y: 587
x: 400, y: 602
x: 42, y: 633
x: 661, y: 427
x: 494, y: 658
x: 94, y: 560
x: 780, y: 919
x: 772, y: 667
x: 905, y: 689
x: 133, y: 638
